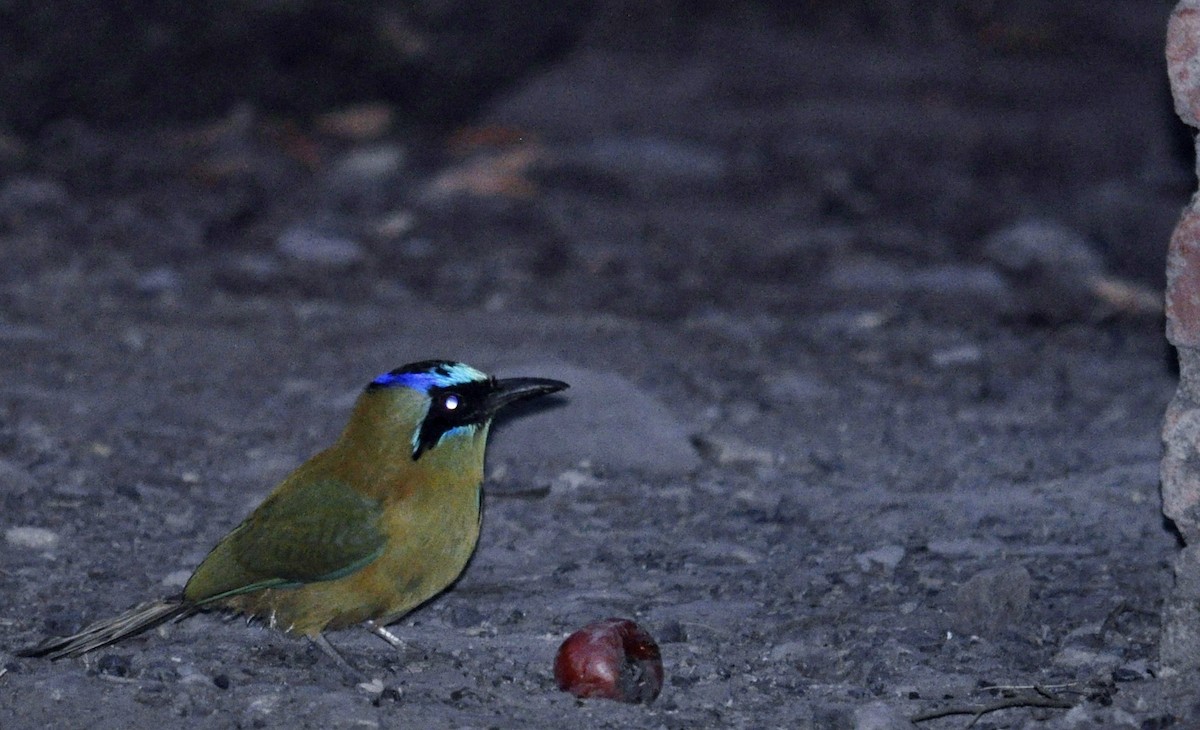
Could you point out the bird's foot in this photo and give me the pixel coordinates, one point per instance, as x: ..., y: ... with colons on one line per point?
x: 381, y: 631
x: 373, y: 686
x: 352, y: 674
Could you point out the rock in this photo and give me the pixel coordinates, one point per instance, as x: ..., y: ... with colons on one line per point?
x: 788, y: 651
x: 262, y: 707
x: 1181, y: 630
x: 23, y: 333
x: 570, y: 480
x: 160, y: 280
x: 176, y: 578
x: 24, y: 196
x: 650, y: 161
x: 1134, y: 671
x: 867, y: 275
x: 672, y: 632
x: 1041, y: 246
x: 1182, y: 31
x: 1180, y: 638
x: 1050, y: 267
x: 114, y: 665
x: 882, y: 559
x: 250, y: 273
x: 1090, y: 714
x: 968, y: 547
x: 14, y: 479
x: 369, y: 164
x: 956, y: 286
x: 34, y: 538
x: 732, y: 451
x: 609, y: 421
x: 953, y: 357
x: 313, y: 247
x: 464, y: 617
x: 357, y: 123
x: 1092, y: 661
x: 880, y: 716
x: 792, y: 387
x: 1180, y: 476
x: 992, y: 600
x: 1183, y: 274
x: 190, y: 674
x: 953, y: 286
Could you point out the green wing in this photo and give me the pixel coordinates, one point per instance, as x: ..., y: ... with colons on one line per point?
x: 311, y: 530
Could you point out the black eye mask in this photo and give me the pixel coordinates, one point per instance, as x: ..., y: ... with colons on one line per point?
x: 451, y: 407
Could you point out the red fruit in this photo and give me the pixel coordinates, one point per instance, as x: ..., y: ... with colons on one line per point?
x: 613, y: 659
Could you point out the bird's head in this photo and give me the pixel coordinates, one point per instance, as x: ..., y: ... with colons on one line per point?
x: 439, y: 404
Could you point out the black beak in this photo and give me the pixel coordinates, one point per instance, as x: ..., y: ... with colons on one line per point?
x: 511, y: 390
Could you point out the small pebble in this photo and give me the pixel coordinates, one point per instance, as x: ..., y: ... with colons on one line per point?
x: 160, y: 280
x: 965, y: 547
x: 464, y: 617
x: 189, y: 674
x: 1083, y: 658
x: 788, y: 651
x: 1042, y: 247
x: 15, y: 480
x: 672, y: 632
x: 391, y: 694
x: 26, y: 195
x: 730, y: 451
x: 114, y: 665
x: 367, y: 164
x: 358, y: 123
x: 160, y: 671
x: 790, y: 388
x: 956, y: 356
x: 652, y: 160
x: 992, y: 600
x: 571, y: 480
x: 880, y: 716
x: 1049, y: 266
x: 1127, y: 674
x: 884, y: 558
x: 177, y: 578
x: 262, y: 707
x: 23, y: 333
x: 308, y: 246
x: 37, y: 538
x: 249, y: 273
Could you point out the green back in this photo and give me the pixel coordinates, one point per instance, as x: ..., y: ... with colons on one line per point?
x: 308, y: 530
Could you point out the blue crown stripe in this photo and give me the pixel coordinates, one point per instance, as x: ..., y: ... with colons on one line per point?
x: 432, y: 374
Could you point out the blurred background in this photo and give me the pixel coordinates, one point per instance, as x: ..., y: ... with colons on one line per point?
x: 657, y: 159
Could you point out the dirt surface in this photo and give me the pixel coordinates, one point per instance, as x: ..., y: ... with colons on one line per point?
x: 865, y: 386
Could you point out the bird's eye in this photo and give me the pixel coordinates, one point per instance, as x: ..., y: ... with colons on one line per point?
x: 451, y: 401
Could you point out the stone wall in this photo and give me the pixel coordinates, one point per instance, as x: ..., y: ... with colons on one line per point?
x: 1180, y: 649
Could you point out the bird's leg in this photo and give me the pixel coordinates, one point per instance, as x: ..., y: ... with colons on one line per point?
x: 323, y: 643
x: 381, y: 631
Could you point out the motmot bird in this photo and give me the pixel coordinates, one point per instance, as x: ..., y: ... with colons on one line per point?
x: 364, y: 531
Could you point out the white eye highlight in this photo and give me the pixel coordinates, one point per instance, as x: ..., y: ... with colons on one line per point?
x: 451, y: 402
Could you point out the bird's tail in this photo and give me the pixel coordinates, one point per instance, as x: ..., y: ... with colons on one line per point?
x: 102, y: 633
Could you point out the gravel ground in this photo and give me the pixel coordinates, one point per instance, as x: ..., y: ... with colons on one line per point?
x: 866, y: 377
